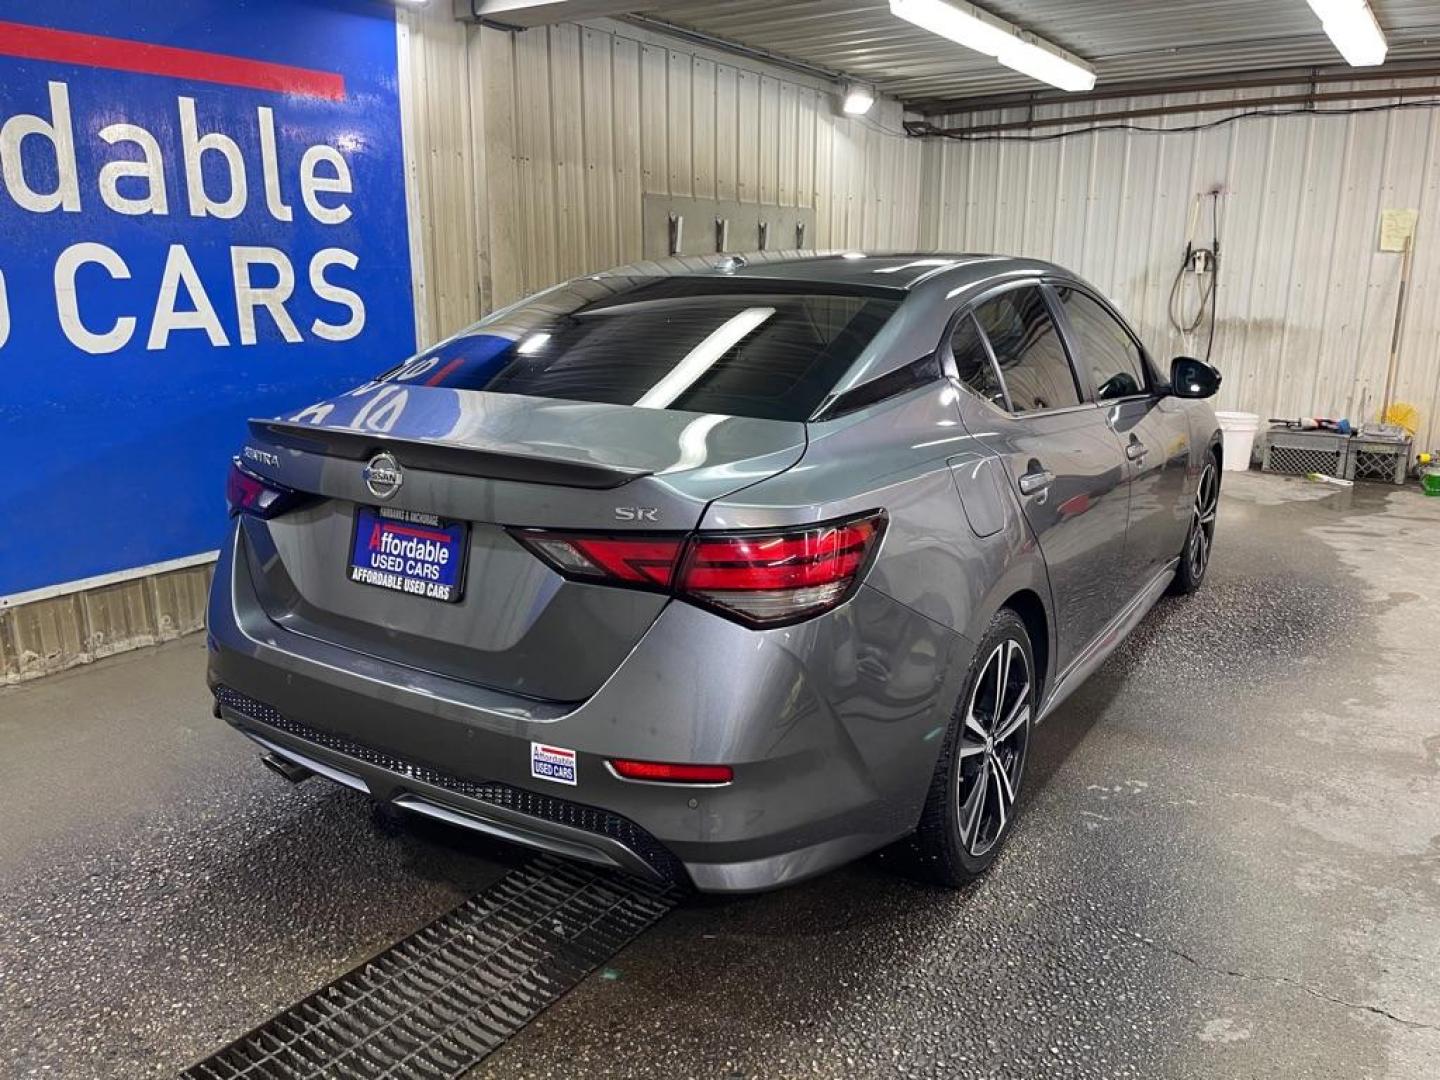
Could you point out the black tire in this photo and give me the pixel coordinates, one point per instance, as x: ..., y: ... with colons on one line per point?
x: 959, y: 838
x: 1200, y: 538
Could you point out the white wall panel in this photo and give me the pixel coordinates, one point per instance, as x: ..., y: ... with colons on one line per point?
x: 727, y: 132
x: 533, y: 152
x: 1306, y: 299
x: 439, y: 127
x: 703, y: 137
x: 629, y: 184
x: 679, y: 122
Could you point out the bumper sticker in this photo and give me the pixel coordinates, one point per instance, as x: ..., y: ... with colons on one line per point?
x: 552, y: 763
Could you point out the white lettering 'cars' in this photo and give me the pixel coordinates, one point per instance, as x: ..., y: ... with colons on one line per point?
x: 201, y: 312
x: 194, y: 310
x: 249, y: 296
x: 67, y: 301
x: 336, y: 294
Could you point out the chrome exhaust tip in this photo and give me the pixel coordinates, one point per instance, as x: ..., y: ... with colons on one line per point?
x: 286, y: 768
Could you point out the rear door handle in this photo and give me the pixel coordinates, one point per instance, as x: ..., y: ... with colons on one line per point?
x: 1135, y: 450
x: 1035, y: 482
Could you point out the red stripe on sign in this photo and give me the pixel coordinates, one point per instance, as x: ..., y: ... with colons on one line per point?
x: 421, y: 534
x: 118, y: 54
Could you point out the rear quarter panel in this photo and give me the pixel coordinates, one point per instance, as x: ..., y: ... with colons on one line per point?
x: 911, y: 457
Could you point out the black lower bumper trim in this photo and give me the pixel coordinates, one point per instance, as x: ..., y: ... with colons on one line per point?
x: 531, y: 804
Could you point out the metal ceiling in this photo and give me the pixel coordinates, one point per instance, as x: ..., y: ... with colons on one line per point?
x: 1126, y: 40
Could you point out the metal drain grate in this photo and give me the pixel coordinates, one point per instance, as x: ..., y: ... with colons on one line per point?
x: 440, y: 1001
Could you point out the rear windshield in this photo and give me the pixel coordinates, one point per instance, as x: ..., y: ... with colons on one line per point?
x: 743, y: 348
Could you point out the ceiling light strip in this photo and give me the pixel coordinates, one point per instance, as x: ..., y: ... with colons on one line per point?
x: 1352, y: 27
x: 1017, y: 49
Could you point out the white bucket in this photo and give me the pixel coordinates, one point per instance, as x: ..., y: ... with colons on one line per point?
x: 1238, y: 430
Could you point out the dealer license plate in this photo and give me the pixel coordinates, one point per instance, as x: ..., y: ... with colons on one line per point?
x: 410, y: 552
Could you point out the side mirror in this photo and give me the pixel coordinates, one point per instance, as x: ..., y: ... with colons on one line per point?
x: 1191, y: 378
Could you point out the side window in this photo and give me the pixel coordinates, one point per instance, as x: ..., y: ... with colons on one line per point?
x: 1027, y: 347
x: 973, y: 364
x: 1106, y: 350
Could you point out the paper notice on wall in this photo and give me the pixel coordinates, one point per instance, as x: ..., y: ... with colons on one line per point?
x: 1397, y: 227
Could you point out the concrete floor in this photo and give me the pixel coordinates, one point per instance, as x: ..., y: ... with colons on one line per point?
x: 1228, y: 866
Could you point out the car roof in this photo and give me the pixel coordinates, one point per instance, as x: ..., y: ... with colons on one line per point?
x: 900, y: 270
x: 896, y: 270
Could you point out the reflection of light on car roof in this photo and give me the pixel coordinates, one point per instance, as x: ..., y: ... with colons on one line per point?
x: 532, y: 344
x: 913, y: 265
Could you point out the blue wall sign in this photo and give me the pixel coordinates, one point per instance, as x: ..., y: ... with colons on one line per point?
x: 202, y: 219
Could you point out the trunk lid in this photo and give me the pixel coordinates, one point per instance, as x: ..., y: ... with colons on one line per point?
x: 490, y: 461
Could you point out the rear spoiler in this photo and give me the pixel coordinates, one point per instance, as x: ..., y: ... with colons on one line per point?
x: 492, y: 462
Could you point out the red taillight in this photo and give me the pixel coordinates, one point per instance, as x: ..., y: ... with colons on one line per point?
x: 766, y: 579
x: 760, y: 578
x: 632, y: 560
x: 660, y: 772
x: 249, y: 494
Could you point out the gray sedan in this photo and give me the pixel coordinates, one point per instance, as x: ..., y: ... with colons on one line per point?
x: 724, y: 572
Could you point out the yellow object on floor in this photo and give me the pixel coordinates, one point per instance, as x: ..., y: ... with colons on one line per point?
x: 1322, y: 478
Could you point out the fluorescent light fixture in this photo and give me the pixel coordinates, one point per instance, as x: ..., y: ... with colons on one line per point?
x: 858, y: 98
x: 968, y: 25
x: 694, y: 364
x: 1352, y: 27
x: 961, y: 23
x: 1040, y: 63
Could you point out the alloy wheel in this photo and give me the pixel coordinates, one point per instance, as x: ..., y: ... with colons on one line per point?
x: 1202, y: 528
x: 992, y: 746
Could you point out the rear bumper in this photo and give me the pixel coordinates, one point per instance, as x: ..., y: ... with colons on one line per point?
x: 535, y: 819
x: 832, y: 728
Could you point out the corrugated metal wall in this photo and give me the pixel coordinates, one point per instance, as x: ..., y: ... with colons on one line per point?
x: 1306, y: 299
x: 535, y: 149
